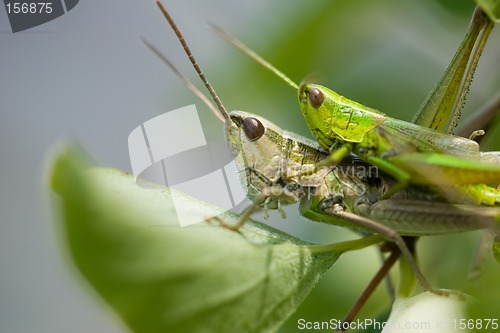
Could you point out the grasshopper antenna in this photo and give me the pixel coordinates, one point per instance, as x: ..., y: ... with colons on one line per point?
x: 184, y: 80
x: 245, y: 49
x: 190, y: 55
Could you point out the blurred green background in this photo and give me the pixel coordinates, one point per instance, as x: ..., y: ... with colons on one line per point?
x: 87, y: 75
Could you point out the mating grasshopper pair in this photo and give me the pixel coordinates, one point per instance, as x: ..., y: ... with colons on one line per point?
x: 423, y: 152
x: 279, y: 169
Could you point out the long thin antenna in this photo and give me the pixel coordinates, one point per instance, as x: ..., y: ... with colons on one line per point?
x: 184, y: 80
x: 245, y: 49
x: 177, y: 32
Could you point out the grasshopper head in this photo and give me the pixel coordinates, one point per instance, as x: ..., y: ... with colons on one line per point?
x: 315, y: 102
x: 257, y: 139
x: 331, y: 117
x: 256, y: 147
x: 242, y: 130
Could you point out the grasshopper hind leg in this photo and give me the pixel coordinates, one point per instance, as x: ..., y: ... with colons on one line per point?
x: 392, y: 236
x: 372, y: 285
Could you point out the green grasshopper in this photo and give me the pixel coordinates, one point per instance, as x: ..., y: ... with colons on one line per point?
x: 273, y: 165
x: 408, y: 152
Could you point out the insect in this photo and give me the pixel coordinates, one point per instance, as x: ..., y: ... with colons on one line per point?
x: 271, y: 161
x: 283, y: 172
x: 409, y: 152
x: 278, y: 179
x: 273, y: 166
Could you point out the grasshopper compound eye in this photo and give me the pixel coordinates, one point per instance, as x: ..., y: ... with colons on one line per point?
x: 316, y: 97
x: 253, y: 128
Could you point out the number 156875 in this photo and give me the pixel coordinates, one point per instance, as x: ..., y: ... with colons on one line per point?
x: 29, y: 7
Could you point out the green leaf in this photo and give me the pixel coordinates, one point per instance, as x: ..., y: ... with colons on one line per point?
x: 159, y: 277
x: 492, y: 8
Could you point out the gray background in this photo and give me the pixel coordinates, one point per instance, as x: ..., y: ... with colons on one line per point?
x: 86, y: 76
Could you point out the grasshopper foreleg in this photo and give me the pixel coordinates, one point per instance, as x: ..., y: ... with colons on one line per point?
x: 270, y: 196
x: 401, y: 176
x: 335, y: 156
x: 247, y: 213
